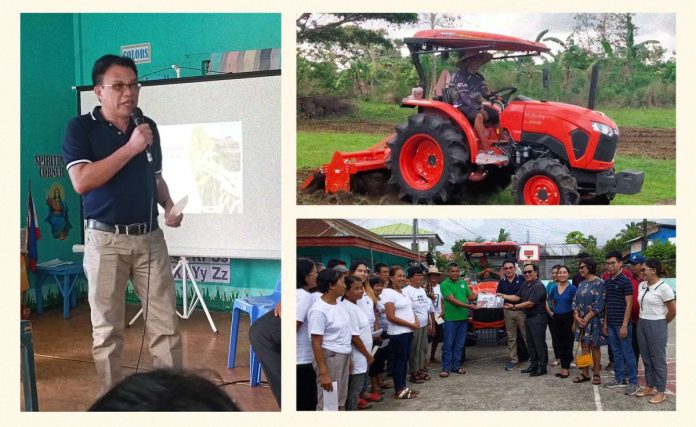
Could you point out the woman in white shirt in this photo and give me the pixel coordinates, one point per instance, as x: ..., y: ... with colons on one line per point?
x: 306, y: 377
x: 402, y: 323
x: 423, y: 309
x: 330, y: 328
x: 367, y: 305
x: 376, y: 371
x: 658, y: 307
x: 362, y: 344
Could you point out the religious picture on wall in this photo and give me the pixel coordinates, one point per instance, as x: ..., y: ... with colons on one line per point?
x: 57, y: 216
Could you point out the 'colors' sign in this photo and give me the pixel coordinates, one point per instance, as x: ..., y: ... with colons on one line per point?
x: 140, y: 53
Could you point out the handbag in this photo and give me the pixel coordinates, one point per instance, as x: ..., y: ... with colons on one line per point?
x: 582, y: 360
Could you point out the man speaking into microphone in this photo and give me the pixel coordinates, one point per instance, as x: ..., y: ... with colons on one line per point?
x: 113, y: 156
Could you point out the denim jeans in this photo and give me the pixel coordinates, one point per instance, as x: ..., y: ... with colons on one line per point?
x: 453, y: 344
x: 624, y: 359
x: 400, y: 350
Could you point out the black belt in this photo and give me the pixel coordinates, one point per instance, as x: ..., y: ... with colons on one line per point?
x: 134, y: 229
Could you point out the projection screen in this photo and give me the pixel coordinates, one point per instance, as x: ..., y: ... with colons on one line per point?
x: 221, y: 150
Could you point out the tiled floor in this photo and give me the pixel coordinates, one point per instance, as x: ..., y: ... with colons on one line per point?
x: 67, y: 381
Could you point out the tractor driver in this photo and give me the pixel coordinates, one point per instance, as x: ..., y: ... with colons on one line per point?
x: 472, y: 89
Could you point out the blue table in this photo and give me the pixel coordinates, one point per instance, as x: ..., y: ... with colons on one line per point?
x: 65, y: 277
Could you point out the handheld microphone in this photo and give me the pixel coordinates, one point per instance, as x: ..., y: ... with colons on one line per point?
x: 139, y: 119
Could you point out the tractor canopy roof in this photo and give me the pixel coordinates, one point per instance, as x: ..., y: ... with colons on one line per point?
x: 461, y: 40
x: 489, y: 248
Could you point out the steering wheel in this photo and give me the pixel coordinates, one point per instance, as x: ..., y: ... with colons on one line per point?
x: 509, y: 90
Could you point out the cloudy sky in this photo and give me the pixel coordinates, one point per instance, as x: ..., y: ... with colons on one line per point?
x: 651, y: 26
x: 540, y: 230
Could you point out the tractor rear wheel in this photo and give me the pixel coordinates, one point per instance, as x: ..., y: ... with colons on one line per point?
x: 544, y: 182
x: 429, y: 158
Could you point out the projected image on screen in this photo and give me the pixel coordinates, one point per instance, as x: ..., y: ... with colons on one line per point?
x: 204, y: 162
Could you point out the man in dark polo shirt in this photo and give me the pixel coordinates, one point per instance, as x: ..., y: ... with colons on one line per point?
x: 634, y: 263
x: 514, y: 319
x: 531, y: 297
x: 116, y: 166
x: 617, y: 324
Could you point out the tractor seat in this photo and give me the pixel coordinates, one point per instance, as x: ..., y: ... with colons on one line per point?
x: 441, y: 86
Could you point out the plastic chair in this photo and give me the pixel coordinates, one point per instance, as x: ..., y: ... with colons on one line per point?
x: 255, y: 307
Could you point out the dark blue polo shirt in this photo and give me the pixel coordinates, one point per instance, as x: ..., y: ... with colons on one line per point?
x: 509, y: 288
x: 126, y: 197
x: 536, y: 293
x: 616, y: 290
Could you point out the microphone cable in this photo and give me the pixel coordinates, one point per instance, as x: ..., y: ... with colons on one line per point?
x: 146, y: 307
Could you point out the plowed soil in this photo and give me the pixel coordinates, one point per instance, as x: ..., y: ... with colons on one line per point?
x: 647, y: 142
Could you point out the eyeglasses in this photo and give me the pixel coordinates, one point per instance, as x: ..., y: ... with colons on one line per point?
x: 582, y: 267
x: 120, y: 87
x: 528, y: 271
x: 643, y: 270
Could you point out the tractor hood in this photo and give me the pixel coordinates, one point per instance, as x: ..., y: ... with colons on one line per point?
x: 536, y: 112
x: 585, y: 138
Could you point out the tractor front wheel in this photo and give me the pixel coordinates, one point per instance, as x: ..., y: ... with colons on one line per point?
x: 429, y: 158
x: 544, y: 182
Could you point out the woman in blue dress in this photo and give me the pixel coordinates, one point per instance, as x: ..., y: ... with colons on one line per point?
x: 588, y: 308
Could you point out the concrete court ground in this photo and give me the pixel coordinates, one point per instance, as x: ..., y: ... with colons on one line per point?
x: 65, y: 374
x: 486, y: 386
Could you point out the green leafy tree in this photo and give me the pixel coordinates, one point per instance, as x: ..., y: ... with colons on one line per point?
x: 503, y: 236
x: 666, y: 253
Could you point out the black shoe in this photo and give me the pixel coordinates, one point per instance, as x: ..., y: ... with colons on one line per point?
x: 528, y: 369
x: 537, y: 373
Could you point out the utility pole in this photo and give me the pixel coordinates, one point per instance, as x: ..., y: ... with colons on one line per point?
x: 414, y: 244
x: 644, y: 241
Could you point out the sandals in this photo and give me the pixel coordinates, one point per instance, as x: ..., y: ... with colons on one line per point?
x: 364, y: 404
x: 655, y: 400
x: 559, y: 375
x: 406, y: 393
x: 596, y: 379
x: 459, y: 371
x: 444, y: 374
x: 422, y: 375
x: 582, y: 378
x: 645, y: 392
x: 415, y: 378
x: 373, y: 397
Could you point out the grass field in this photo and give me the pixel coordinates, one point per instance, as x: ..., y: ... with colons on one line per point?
x: 315, y: 148
x: 663, y: 118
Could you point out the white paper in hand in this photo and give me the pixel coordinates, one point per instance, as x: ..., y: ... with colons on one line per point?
x: 179, y: 206
x: 331, y: 398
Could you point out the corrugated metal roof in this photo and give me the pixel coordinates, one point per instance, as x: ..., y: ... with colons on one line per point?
x: 341, y: 228
x: 399, y: 229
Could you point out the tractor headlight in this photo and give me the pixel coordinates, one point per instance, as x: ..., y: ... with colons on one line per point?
x: 604, y: 129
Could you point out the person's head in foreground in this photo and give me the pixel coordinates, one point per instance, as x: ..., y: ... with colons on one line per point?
x: 164, y: 390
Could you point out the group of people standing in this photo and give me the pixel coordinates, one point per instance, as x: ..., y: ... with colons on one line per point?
x: 627, y: 309
x: 353, y: 325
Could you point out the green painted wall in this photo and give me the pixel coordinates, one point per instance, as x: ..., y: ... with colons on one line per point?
x: 349, y: 254
x: 175, y: 38
x: 57, y: 53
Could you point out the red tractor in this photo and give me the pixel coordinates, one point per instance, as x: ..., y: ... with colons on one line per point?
x: 488, y: 322
x: 552, y: 153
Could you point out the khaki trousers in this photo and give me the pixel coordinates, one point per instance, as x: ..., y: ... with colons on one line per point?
x: 513, y: 320
x: 338, y: 365
x: 110, y: 260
